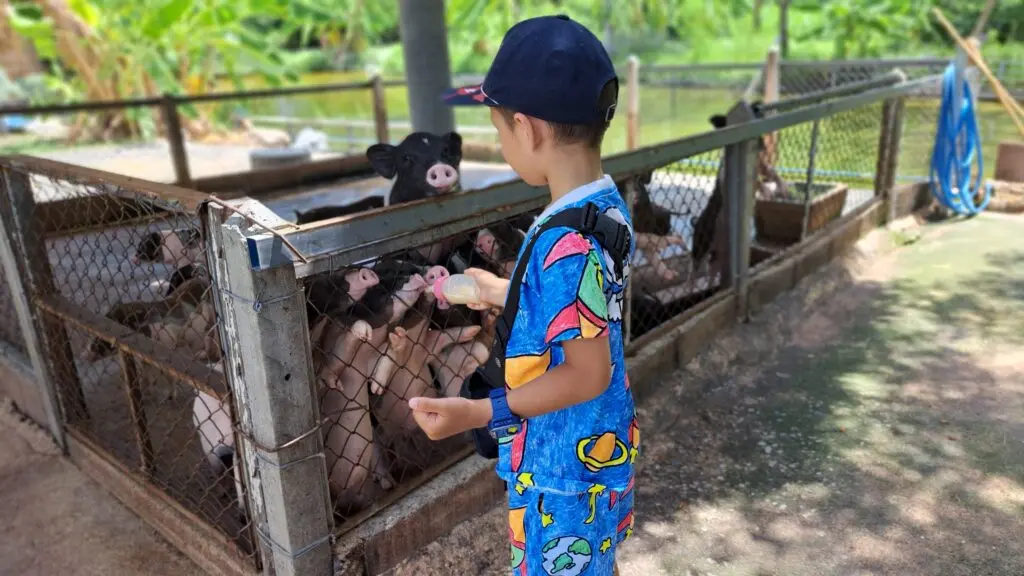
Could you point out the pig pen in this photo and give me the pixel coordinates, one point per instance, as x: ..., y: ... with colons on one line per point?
x: 155, y: 410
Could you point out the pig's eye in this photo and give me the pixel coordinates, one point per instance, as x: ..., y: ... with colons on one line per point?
x: 407, y: 160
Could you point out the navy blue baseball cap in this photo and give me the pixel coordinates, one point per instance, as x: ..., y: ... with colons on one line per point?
x: 551, y: 68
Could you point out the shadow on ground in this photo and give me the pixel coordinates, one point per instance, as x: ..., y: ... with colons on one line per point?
x: 870, y: 422
x: 881, y: 432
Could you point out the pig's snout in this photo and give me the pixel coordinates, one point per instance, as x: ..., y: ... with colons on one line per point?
x: 442, y: 176
x: 367, y: 278
x: 485, y: 244
x: 436, y: 273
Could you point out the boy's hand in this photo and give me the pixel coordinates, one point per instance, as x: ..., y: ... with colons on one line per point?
x: 443, y: 417
x: 493, y: 290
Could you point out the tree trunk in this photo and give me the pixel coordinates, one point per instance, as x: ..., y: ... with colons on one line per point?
x: 758, y: 4
x: 17, y: 57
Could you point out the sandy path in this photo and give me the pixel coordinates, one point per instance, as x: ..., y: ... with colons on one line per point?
x: 58, y: 521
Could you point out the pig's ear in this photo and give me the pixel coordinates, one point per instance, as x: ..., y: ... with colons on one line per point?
x: 382, y: 158
x: 453, y: 145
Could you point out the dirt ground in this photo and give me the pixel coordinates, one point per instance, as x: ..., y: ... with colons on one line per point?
x: 57, y: 521
x: 870, y: 422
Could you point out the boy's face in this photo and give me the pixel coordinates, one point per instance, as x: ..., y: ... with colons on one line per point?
x: 521, y: 142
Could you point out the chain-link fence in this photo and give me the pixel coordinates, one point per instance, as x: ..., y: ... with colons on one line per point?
x: 677, y: 100
x: 118, y: 277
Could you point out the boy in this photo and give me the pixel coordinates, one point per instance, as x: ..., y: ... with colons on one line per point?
x: 568, y: 458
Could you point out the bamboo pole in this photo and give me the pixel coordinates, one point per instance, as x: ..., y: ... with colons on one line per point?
x: 1012, y: 107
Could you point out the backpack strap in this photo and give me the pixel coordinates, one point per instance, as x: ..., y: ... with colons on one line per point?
x: 587, y: 220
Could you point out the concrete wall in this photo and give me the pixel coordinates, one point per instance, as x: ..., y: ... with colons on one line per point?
x: 18, y: 382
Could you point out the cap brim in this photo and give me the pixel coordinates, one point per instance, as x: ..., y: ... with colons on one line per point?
x: 468, y: 96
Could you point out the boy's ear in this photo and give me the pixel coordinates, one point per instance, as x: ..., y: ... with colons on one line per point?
x: 382, y: 158
x: 533, y: 129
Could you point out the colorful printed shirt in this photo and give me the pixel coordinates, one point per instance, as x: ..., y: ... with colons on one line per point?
x: 570, y: 291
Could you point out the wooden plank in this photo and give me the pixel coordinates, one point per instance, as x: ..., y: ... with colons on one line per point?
x: 257, y: 183
x: 380, y: 109
x: 95, y: 212
x: 174, y: 363
x: 209, y: 548
x: 189, y: 200
x: 133, y: 390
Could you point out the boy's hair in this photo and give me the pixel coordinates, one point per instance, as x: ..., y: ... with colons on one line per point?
x: 590, y: 135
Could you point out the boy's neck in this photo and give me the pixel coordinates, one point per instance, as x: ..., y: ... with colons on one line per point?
x: 573, y: 168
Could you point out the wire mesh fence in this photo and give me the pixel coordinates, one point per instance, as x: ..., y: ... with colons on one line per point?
x: 803, y: 77
x: 379, y: 337
x: 811, y: 173
x: 119, y: 279
x: 679, y: 244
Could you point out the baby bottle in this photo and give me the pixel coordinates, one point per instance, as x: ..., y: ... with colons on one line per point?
x: 456, y: 289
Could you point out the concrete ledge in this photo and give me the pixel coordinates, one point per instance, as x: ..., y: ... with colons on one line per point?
x: 465, y: 490
x: 770, y: 283
x: 470, y: 487
x: 908, y: 198
x: 18, y: 382
x: 204, y: 545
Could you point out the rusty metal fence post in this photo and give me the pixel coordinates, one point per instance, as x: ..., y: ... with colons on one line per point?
x: 267, y: 361
x: 740, y: 164
x: 175, y: 140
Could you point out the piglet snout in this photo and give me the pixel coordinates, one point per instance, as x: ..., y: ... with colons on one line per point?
x: 436, y: 273
x: 368, y: 277
x: 485, y: 244
x: 442, y: 176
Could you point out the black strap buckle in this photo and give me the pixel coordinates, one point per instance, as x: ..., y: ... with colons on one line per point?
x: 588, y: 219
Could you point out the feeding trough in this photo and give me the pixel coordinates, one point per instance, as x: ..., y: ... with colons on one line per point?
x: 780, y: 219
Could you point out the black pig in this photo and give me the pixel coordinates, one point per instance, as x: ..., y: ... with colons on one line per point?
x: 328, y: 212
x: 423, y: 165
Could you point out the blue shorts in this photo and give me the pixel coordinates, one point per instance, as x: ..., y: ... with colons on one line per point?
x: 554, y: 534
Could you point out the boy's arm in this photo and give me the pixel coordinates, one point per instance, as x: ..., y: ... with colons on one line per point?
x: 568, y: 275
x: 583, y: 376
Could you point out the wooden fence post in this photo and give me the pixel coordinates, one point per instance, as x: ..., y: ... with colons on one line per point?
x: 771, y: 94
x: 380, y: 109
x: 268, y: 363
x: 27, y: 268
x: 176, y: 140
x: 632, y: 103
x: 889, y: 152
